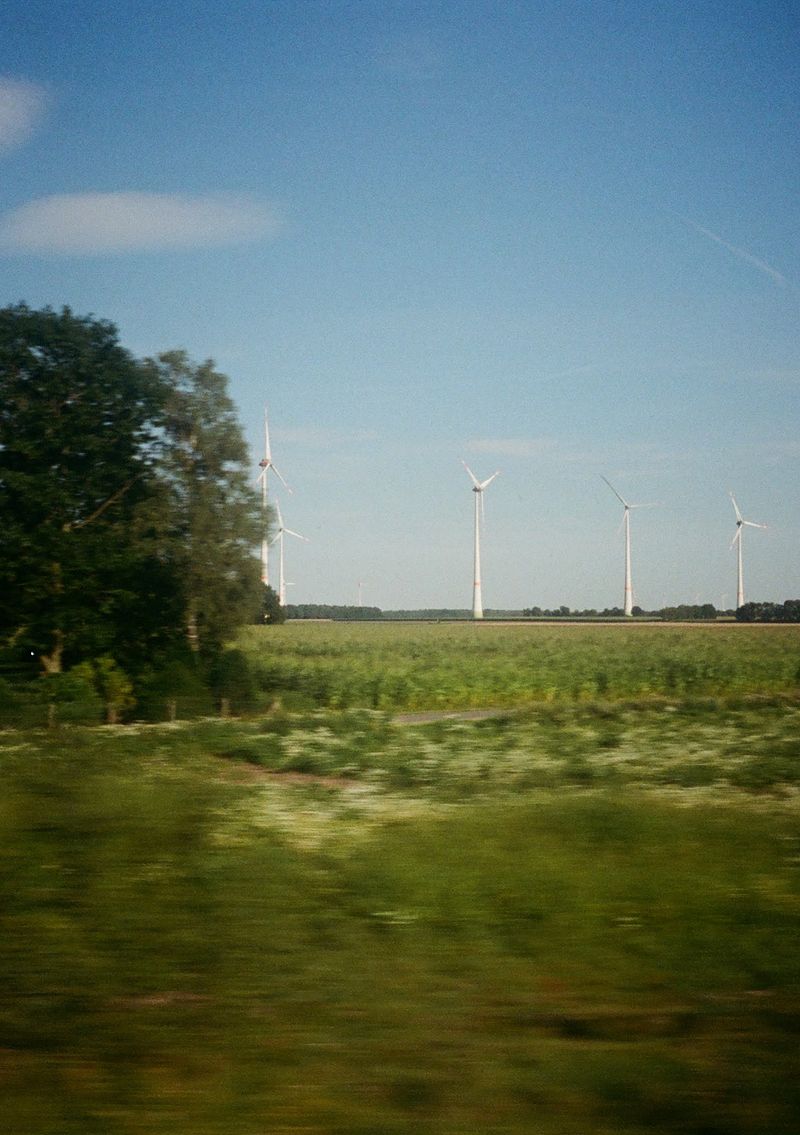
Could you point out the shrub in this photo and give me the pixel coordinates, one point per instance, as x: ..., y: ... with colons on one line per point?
x: 233, y: 681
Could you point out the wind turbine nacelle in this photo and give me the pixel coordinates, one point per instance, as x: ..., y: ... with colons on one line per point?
x: 264, y: 464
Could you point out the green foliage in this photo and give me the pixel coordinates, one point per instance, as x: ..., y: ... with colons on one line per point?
x: 331, y: 611
x: 750, y: 747
x: 175, y: 687
x: 686, y: 612
x: 233, y: 681
x: 461, y: 666
x: 788, y: 612
x: 74, y: 695
x: 211, y: 509
x: 80, y: 575
x: 270, y: 611
x: 282, y: 953
x: 127, y: 515
x: 116, y: 688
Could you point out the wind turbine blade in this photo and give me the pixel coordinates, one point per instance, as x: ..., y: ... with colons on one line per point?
x: 473, y: 478
x: 267, y: 453
x: 738, y: 536
x: 280, y: 516
x: 297, y: 535
x: 621, y: 499
x: 489, y: 480
x: 735, y: 505
x: 280, y: 478
x: 752, y: 524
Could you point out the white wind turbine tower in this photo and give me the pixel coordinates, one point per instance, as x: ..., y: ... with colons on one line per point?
x: 737, y: 539
x: 265, y: 464
x: 478, y: 488
x: 278, y: 539
x: 626, y: 524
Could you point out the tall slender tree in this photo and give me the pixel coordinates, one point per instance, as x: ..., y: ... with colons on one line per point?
x: 213, y: 509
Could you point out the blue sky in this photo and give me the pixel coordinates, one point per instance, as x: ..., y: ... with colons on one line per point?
x: 555, y: 239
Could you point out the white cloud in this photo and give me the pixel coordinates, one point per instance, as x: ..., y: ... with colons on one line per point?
x: 91, y: 223
x: 21, y: 106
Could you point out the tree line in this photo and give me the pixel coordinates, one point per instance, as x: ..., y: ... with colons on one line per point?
x: 684, y: 612
x: 787, y: 612
x: 127, y: 515
x: 330, y: 611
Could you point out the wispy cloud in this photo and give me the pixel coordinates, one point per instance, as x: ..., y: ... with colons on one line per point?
x: 513, y: 446
x: 572, y: 452
x: 21, y: 105
x: 94, y: 223
x: 742, y: 253
x: 318, y: 438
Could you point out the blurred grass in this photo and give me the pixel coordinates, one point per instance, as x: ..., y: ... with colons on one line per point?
x: 582, y: 919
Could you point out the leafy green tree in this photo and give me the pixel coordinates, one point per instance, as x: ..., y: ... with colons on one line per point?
x: 233, y: 681
x: 211, y: 505
x: 788, y: 612
x: 81, y: 575
x: 115, y: 688
x: 270, y: 612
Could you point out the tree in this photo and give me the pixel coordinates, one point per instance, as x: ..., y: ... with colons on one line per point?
x: 82, y: 574
x: 270, y: 611
x: 212, y: 508
x: 788, y: 612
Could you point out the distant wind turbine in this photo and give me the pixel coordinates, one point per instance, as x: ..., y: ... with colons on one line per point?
x: 278, y: 539
x: 626, y: 524
x: 737, y: 539
x: 478, y: 489
x: 265, y: 464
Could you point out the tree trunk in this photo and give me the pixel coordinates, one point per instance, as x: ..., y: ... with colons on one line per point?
x: 191, y: 629
x: 51, y: 663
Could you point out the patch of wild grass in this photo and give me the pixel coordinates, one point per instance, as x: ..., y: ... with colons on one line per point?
x: 333, y: 923
x: 750, y: 748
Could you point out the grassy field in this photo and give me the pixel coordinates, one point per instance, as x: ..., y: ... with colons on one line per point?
x: 578, y: 916
x: 394, y: 667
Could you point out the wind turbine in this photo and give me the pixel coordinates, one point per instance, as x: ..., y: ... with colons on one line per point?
x: 626, y: 525
x: 737, y: 539
x: 265, y: 464
x: 478, y: 488
x: 278, y: 539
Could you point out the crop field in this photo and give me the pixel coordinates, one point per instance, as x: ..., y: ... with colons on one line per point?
x: 447, y: 666
x: 350, y: 914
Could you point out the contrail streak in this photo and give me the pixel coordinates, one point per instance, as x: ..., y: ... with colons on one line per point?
x: 742, y: 253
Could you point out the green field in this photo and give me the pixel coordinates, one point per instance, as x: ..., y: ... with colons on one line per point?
x: 578, y: 916
x: 422, y: 666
